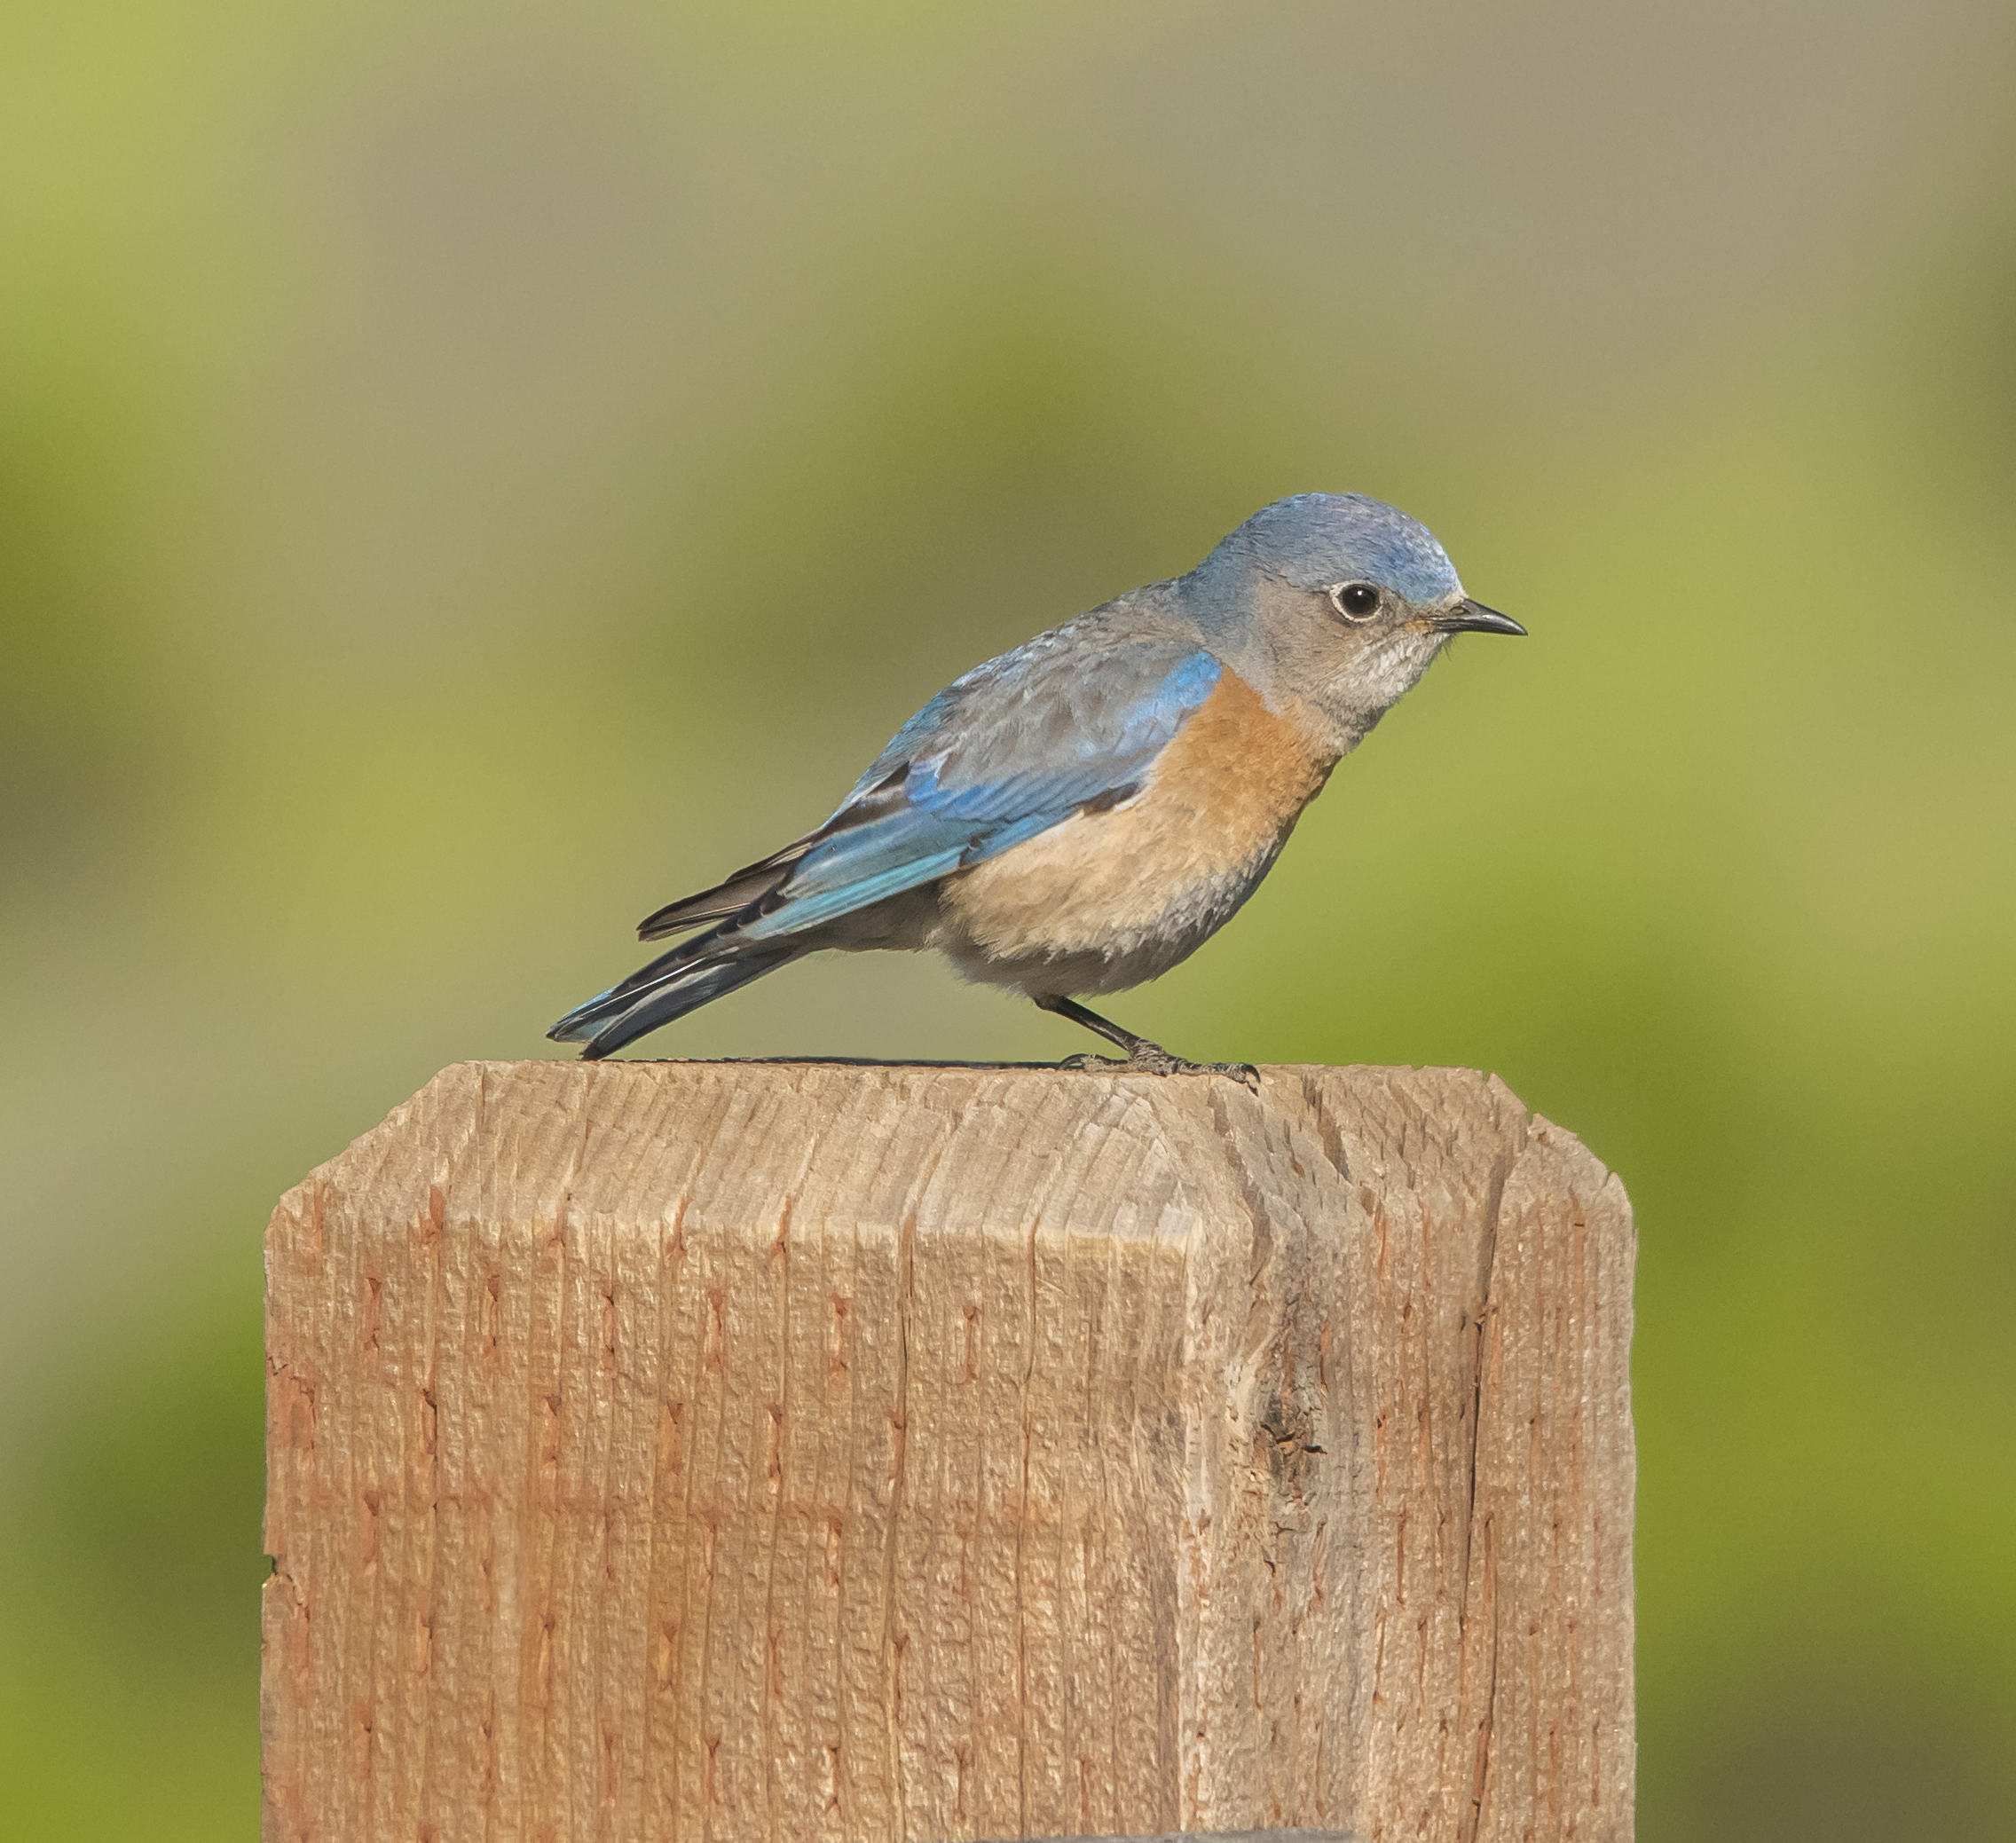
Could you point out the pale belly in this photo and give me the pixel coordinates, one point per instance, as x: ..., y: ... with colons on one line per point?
x: 1093, y: 905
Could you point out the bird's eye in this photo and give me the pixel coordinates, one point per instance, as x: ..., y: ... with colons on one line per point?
x: 1355, y: 601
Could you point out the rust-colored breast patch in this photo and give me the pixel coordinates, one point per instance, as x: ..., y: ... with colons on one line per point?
x: 1244, y: 773
x: 1174, y: 861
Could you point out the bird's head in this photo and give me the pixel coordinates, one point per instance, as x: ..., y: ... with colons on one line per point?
x: 1337, y: 600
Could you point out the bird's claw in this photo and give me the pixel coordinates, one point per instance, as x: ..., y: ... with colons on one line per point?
x: 1153, y: 1060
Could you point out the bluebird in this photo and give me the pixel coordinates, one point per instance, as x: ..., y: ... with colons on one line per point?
x: 1083, y: 813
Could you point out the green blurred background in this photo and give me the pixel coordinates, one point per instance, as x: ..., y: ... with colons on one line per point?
x: 467, y: 475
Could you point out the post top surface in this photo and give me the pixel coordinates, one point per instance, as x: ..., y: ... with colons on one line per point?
x: 548, y: 1135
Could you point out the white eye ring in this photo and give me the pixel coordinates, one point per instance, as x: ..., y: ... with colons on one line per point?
x: 1336, y: 591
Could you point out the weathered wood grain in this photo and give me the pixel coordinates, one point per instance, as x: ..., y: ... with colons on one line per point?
x: 742, y: 1451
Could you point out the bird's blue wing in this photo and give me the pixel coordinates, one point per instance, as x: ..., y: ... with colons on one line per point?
x: 1012, y: 749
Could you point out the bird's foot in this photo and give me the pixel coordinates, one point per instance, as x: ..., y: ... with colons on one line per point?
x: 1147, y: 1059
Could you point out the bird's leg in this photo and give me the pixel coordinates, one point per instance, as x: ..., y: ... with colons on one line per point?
x: 1143, y: 1056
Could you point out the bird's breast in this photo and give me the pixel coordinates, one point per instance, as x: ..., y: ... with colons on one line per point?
x: 1146, y: 880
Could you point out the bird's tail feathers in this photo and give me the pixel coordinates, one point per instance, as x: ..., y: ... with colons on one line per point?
x: 691, y: 975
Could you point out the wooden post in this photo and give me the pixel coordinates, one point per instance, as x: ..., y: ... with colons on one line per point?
x: 890, y: 1455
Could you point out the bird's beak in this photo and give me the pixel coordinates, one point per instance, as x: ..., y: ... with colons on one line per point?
x: 1467, y: 617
